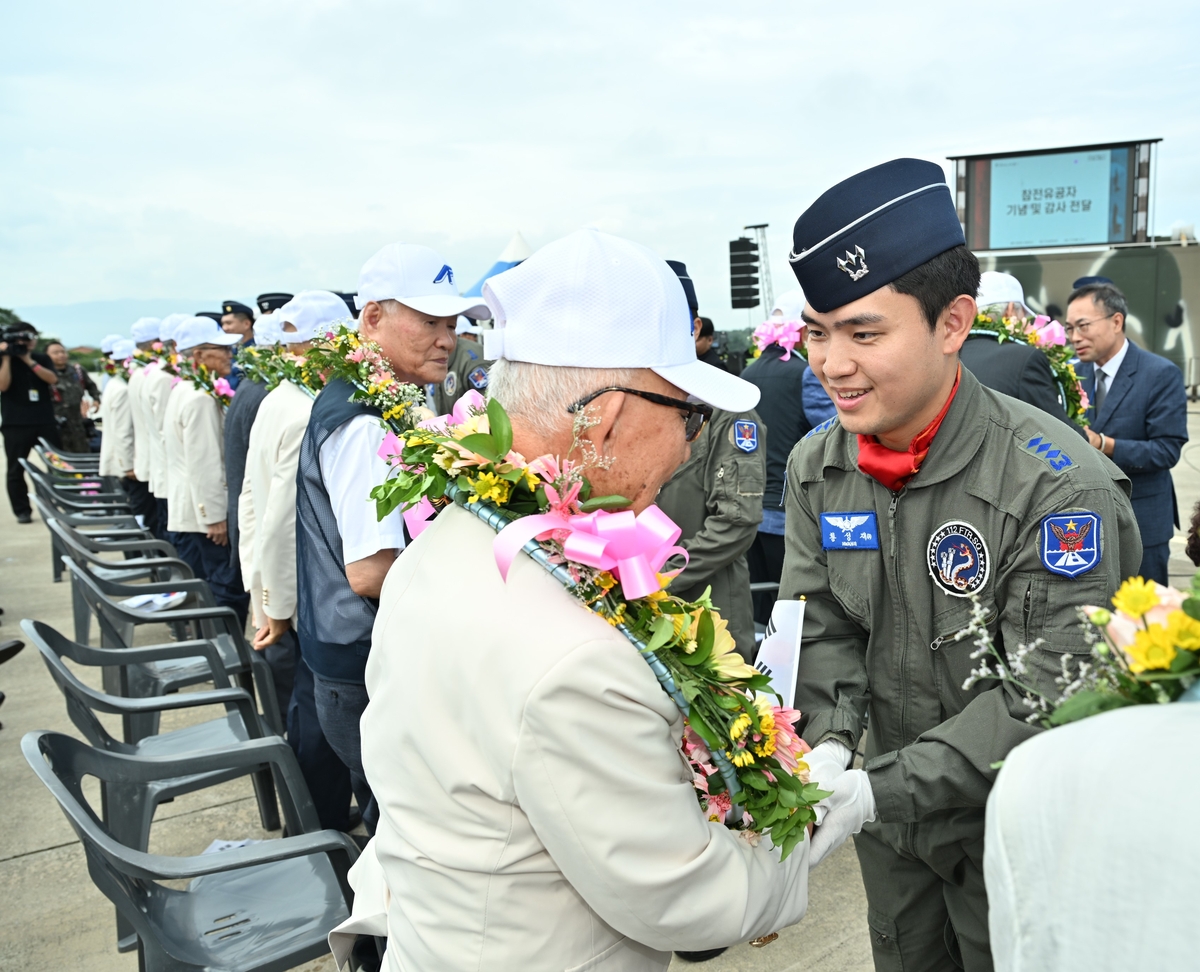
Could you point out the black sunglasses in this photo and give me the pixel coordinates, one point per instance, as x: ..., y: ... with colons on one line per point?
x: 695, y: 414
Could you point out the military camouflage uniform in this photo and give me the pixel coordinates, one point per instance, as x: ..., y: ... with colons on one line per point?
x: 888, y: 578
x: 716, y: 498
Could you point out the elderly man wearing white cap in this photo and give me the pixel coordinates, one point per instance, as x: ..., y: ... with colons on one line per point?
x: 1015, y: 369
x: 535, y: 810
x: 197, y: 502
x: 408, y: 305
x: 154, y: 395
x: 116, y: 442
x: 144, y: 335
x: 267, y: 523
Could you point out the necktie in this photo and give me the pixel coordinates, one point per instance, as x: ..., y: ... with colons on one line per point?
x: 1101, y: 388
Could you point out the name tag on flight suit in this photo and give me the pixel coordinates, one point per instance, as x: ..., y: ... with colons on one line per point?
x: 849, y: 531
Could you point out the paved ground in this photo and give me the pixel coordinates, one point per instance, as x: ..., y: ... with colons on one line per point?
x: 53, y: 918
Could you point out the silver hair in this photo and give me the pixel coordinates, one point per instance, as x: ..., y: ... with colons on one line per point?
x: 538, y: 395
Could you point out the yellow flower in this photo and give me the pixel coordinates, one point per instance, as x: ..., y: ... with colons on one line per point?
x: 531, y: 480
x: 1151, y: 649
x: 743, y: 757
x: 725, y: 659
x: 739, y: 727
x: 605, y: 580
x: 1183, y: 630
x: 1135, y: 597
x: 489, y: 486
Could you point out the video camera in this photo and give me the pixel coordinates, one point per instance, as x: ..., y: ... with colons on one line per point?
x: 19, y: 337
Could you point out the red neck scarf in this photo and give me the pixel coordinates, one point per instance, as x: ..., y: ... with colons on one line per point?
x: 894, y: 469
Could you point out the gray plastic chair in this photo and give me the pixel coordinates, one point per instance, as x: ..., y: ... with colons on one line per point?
x: 72, y: 500
x: 204, y: 619
x: 145, y: 559
x: 263, y: 908
x: 113, y: 527
x: 74, y: 458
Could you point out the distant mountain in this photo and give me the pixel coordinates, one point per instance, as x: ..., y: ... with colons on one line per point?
x: 87, y: 323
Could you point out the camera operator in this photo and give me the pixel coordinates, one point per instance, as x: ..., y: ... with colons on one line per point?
x: 26, y: 407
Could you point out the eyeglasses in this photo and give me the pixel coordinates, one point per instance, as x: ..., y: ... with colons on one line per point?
x: 1082, y: 326
x: 695, y: 414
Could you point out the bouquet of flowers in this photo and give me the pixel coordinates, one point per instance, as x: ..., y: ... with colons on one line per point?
x: 271, y: 365
x: 746, y: 756
x: 1049, y: 336
x: 1145, y: 651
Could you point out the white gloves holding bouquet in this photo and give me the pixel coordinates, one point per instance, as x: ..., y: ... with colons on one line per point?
x: 851, y: 804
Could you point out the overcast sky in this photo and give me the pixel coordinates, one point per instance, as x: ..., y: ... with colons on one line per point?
x: 222, y: 149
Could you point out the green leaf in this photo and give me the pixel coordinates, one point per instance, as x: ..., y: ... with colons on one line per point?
x: 481, y: 444
x: 663, y: 629
x: 755, y: 780
x: 500, y: 426
x: 703, y: 729
x: 1087, y: 703
x: 603, y: 503
x: 1191, y: 607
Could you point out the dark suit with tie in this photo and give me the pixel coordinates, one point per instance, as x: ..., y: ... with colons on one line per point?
x: 1145, y: 413
x: 1015, y: 369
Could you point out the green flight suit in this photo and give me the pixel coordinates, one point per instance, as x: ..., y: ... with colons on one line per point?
x: 716, y: 498
x: 879, y: 633
x: 466, y: 370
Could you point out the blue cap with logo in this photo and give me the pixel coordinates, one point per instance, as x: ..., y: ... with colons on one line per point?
x: 871, y: 229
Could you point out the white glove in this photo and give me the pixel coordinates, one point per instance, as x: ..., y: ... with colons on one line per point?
x: 851, y: 805
x: 825, y: 764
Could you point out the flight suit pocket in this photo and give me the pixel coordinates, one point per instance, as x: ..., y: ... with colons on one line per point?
x: 741, y: 486
x: 954, y: 664
x: 885, y: 941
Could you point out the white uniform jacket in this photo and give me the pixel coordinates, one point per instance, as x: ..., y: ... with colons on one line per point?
x: 267, y: 505
x: 141, y: 425
x: 155, y: 392
x: 536, y: 811
x: 193, y: 445
x: 116, y: 444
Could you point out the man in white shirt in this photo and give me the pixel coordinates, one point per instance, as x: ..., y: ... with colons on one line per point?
x: 267, y: 523
x: 156, y: 390
x: 408, y: 305
x: 142, y: 501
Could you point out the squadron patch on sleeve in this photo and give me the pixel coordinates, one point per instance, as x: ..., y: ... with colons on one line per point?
x: 745, y: 435
x: 478, y: 378
x: 1071, y: 542
x: 850, y: 531
x: 959, y: 562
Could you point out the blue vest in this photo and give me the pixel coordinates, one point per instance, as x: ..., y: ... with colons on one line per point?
x: 333, y: 623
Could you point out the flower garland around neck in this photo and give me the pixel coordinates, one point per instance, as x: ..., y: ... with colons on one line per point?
x: 746, y: 756
x: 787, y: 334
x: 273, y: 364
x: 1049, y: 337
x: 345, y: 354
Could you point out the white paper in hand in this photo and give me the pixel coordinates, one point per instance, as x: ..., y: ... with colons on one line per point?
x: 779, y: 653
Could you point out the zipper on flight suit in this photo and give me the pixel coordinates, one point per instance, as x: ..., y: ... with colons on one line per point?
x: 892, y: 523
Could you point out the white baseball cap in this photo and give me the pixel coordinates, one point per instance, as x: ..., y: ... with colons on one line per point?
x: 1001, y: 288
x: 195, y: 331
x: 145, y: 329
x: 310, y: 312
x: 789, y: 304
x: 170, y: 324
x: 591, y: 300
x: 122, y: 348
x: 106, y: 344
x: 266, y: 329
x: 419, y: 278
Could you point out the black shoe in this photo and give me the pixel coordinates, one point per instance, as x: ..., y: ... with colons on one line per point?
x: 708, y: 953
x: 24, y: 517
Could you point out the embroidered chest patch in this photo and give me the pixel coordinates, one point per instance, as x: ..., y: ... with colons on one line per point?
x: 849, y: 531
x: 450, y: 385
x: 1071, y: 543
x: 745, y: 435
x: 478, y: 378
x: 958, y: 557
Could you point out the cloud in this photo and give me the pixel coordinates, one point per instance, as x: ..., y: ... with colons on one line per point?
x: 156, y: 149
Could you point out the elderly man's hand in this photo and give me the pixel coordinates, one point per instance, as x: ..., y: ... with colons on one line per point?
x: 218, y: 533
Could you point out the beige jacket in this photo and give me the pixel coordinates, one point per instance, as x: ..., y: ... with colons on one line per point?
x: 536, y: 811
x: 155, y: 392
x: 195, y: 463
x: 117, y: 443
x: 267, y: 505
x: 141, y: 425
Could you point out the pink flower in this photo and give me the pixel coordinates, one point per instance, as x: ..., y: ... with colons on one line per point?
x: 546, y: 467
x: 1084, y: 402
x: 1169, y: 600
x: 718, y: 806
x: 390, y: 449
x: 222, y: 387
x: 789, y: 747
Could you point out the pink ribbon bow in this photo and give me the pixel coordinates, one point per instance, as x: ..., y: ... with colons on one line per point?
x: 633, y: 548
x: 784, y: 333
x: 417, y: 518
